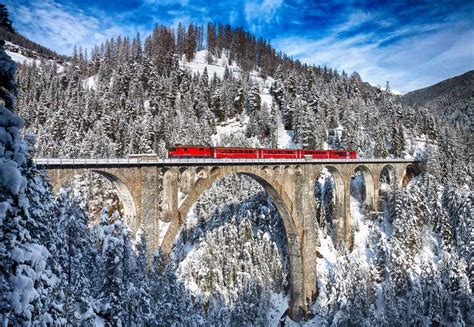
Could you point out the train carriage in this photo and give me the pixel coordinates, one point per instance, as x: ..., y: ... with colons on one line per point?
x: 236, y: 153
x: 315, y: 154
x: 191, y: 151
x: 341, y: 154
x: 278, y: 154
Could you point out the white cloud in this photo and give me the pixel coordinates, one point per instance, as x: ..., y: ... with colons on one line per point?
x: 259, y: 13
x: 60, y: 28
x: 416, y: 60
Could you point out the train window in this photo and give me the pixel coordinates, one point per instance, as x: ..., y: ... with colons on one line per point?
x: 185, y: 149
x: 201, y: 149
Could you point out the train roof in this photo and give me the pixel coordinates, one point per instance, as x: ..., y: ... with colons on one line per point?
x: 246, y: 148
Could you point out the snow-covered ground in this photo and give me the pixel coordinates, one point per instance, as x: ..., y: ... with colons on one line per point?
x: 394, y: 92
x: 278, y: 306
x: 18, y: 56
x: 230, y: 127
x: 90, y: 82
x: 21, y: 59
x: 234, y: 126
x: 199, y: 63
x: 416, y: 147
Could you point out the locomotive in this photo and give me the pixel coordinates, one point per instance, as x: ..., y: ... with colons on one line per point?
x: 191, y: 151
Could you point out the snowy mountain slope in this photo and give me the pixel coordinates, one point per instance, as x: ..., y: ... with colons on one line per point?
x: 458, y: 87
x: 200, y: 62
x: 15, y: 52
x: 25, y: 56
x: 233, y: 125
x: 452, y: 99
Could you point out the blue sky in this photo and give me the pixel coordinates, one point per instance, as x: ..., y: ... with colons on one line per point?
x: 412, y: 44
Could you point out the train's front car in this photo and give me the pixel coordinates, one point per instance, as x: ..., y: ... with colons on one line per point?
x: 189, y: 151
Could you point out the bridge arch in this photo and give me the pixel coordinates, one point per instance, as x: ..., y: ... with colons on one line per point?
x: 341, y: 223
x: 369, y: 186
x: 282, y: 203
x: 410, y: 171
x: 123, y: 191
x: 388, y: 174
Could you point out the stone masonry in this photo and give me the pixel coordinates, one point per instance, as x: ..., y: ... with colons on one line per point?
x: 159, y: 198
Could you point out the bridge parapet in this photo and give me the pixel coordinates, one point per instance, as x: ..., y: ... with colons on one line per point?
x: 91, y: 162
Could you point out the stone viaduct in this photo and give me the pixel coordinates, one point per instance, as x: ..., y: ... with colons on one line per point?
x: 158, y: 195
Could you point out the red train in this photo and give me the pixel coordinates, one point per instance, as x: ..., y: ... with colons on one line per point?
x: 191, y: 151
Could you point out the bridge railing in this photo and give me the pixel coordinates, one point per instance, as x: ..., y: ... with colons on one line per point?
x: 180, y: 161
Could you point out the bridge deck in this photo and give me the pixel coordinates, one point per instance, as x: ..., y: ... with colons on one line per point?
x: 127, y: 162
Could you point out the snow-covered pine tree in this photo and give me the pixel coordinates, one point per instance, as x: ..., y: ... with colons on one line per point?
x: 78, y: 259
x: 26, y: 279
x: 113, y: 240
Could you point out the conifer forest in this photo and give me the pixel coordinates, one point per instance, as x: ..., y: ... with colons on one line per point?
x: 68, y: 258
